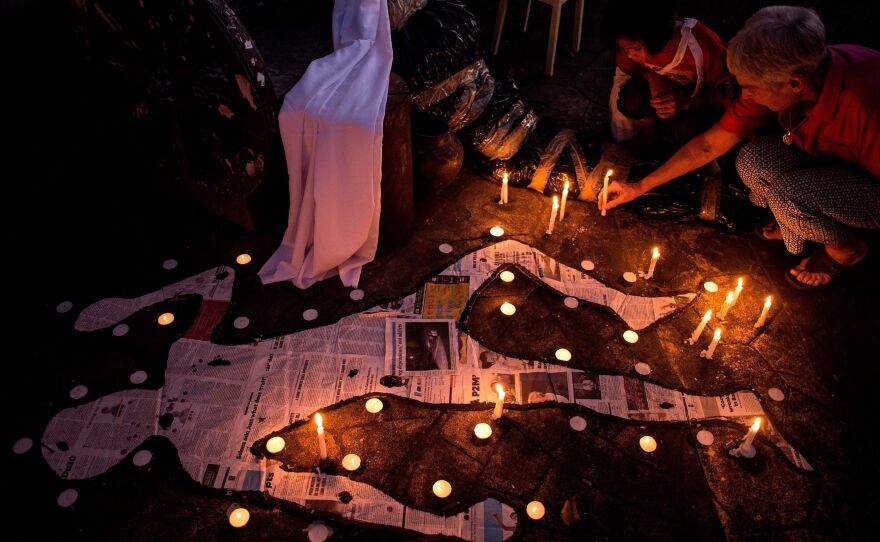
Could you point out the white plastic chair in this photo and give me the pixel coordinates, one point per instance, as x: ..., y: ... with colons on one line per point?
x: 555, y: 16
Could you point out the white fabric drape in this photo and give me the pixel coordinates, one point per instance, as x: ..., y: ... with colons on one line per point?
x: 331, y: 127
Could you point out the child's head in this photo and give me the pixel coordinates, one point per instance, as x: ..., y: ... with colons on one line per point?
x: 639, y: 28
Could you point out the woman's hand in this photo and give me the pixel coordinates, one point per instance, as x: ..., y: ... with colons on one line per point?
x: 668, y: 104
x: 620, y: 193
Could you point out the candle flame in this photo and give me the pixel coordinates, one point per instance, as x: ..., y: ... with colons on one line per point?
x: 739, y: 283
x: 729, y: 298
x: 500, y: 389
x: 608, y: 173
x: 567, y: 184
x: 555, y: 202
x: 318, y: 420
x: 504, y: 177
x: 656, y: 253
x: 768, y: 302
x: 757, y: 424
x: 717, y: 333
x: 708, y: 315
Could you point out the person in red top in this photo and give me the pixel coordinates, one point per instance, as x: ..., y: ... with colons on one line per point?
x: 819, y: 179
x: 664, y: 66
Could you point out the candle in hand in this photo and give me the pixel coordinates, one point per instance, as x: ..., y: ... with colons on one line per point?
x: 763, y: 318
x: 564, y: 198
x: 654, y: 257
x: 728, y: 302
x: 504, y: 181
x: 322, y: 443
x: 553, y: 214
x: 737, y: 290
x: 702, y: 325
x: 707, y: 353
x: 499, y: 404
x: 605, y: 190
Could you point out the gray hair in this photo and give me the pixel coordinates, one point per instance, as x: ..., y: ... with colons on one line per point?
x: 776, y: 43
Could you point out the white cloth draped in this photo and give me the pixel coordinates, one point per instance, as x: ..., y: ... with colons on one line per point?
x: 331, y: 127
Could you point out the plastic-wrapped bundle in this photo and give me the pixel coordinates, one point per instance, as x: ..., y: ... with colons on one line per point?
x: 461, y: 98
x: 503, y: 138
x: 563, y: 140
x: 399, y: 11
x: 436, y: 42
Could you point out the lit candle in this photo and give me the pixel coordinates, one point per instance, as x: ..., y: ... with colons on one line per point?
x: 605, y: 190
x: 747, y: 449
x: 654, y: 257
x: 737, y: 290
x: 322, y: 443
x: 702, y: 325
x: 274, y: 445
x: 239, y: 517
x: 374, y: 405
x: 707, y: 353
x: 507, y: 309
x: 351, y: 462
x: 243, y: 259
x: 483, y: 431
x: 728, y: 302
x: 442, y: 488
x: 499, y: 404
x: 165, y: 318
x: 504, y: 181
x: 553, y: 212
x: 496, y: 231
x: 535, y: 510
x: 763, y: 318
x: 507, y: 276
x: 647, y: 443
x: 564, y: 198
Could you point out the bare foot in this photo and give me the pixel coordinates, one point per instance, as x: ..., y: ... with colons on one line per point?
x: 810, y: 272
x: 771, y: 231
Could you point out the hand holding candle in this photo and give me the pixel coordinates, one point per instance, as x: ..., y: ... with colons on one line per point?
x: 553, y: 214
x: 707, y: 353
x: 604, y: 195
x: 564, y: 199
x: 322, y: 443
x: 702, y: 325
x: 763, y: 318
x: 499, y: 404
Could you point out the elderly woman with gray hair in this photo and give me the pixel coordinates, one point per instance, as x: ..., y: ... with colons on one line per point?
x: 821, y: 178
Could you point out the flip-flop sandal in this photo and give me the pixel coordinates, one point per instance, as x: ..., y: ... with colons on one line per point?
x: 819, y: 262
x: 770, y: 226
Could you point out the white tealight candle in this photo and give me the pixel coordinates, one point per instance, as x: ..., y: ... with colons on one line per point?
x: 507, y: 276
x: 630, y: 336
x: 707, y: 353
x: 483, y: 431
x: 243, y: 259
x: 710, y: 286
x: 374, y: 405
x: 564, y: 199
x: 274, y: 445
x: 699, y: 331
x: 535, y: 510
x: 442, y: 488
x: 239, y: 517
x: 553, y: 212
x: 322, y: 443
x: 496, y: 231
x: 728, y: 302
x: 563, y: 354
x: 763, y: 318
x: 499, y: 404
x: 351, y: 462
x: 738, y: 290
x: 504, y: 182
x: 507, y: 309
x: 605, y: 190
x: 647, y: 443
x: 654, y: 257
x: 165, y: 318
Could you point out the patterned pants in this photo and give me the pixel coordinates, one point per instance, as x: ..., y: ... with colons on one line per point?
x: 813, y: 198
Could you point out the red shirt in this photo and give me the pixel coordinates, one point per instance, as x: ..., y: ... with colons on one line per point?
x: 714, y: 64
x: 845, y: 120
